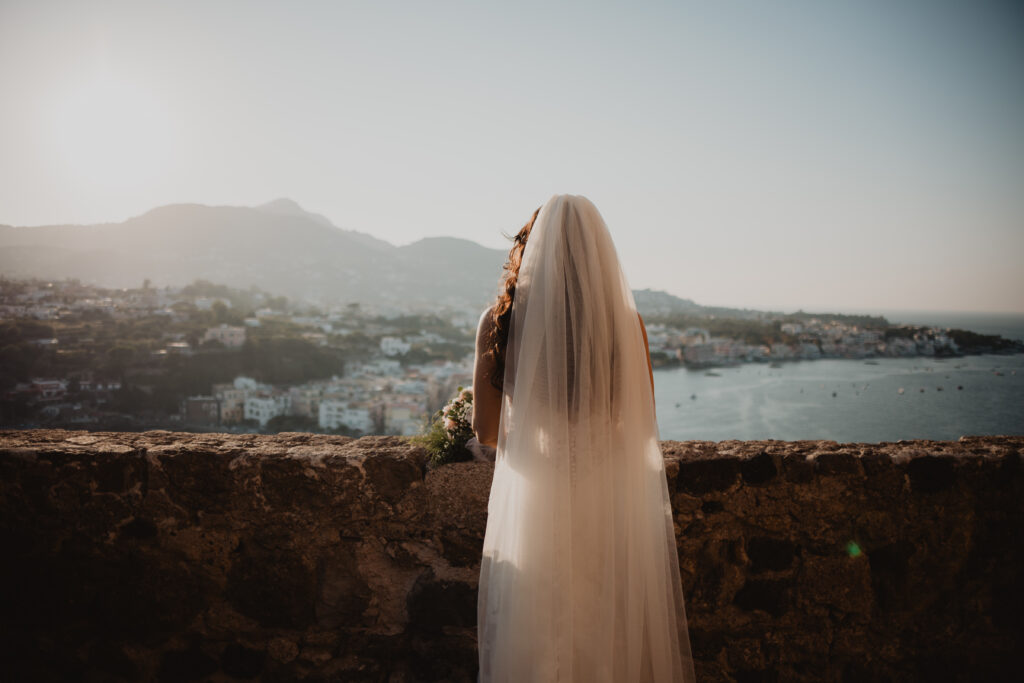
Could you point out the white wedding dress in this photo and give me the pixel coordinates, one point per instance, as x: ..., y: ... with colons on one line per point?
x: 579, y: 579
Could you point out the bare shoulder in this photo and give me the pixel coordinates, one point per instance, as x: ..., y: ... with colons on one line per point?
x: 485, y: 323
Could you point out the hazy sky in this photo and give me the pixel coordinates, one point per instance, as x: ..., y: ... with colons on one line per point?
x: 823, y: 155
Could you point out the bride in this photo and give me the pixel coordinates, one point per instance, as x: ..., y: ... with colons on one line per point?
x: 579, y: 579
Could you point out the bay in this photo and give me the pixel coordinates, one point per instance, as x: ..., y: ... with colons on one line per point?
x: 845, y: 400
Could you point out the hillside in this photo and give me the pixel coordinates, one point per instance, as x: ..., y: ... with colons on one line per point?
x: 278, y: 247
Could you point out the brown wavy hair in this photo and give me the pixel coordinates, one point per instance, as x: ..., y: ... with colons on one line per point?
x: 501, y: 312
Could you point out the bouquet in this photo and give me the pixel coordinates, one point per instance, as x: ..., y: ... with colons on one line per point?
x: 445, y: 436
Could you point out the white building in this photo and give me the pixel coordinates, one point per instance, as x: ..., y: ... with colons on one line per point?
x: 205, y: 303
x: 416, y: 387
x: 382, y: 367
x: 694, y: 335
x: 336, y: 412
x: 263, y: 408
x: 232, y: 403
x: 306, y: 400
x: 230, y: 336
x: 247, y: 383
x: 393, y: 346
x: 405, y: 416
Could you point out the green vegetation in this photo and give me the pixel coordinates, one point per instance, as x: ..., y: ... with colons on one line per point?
x: 437, y: 351
x: 414, y: 324
x: 870, y: 322
x: 902, y: 332
x: 445, y: 436
x: 291, y: 423
x: 660, y: 359
x: 967, y: 340
x: 241, y: 300
x: 747, y: 330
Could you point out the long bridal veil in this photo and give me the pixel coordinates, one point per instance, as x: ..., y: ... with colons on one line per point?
x: 580, y: 575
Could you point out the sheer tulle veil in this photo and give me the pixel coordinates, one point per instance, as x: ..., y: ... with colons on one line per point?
x: 579, y: 579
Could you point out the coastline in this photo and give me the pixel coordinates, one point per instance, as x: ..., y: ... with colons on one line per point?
x: 670, y: 363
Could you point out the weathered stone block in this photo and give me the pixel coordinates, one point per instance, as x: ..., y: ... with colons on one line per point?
x: 342, y: 593
x: 239, y: 661
x: 435, y: 604
x: 698, y: 477
x: 770, y: 554
x: 929, y: 474
x: 391, y: 477
x: 768, y: 595
x: 759, y: 469
x: 269, y: 582
x: 837, y: 463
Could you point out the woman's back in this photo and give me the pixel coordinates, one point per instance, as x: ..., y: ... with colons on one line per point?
x: 579, y: 579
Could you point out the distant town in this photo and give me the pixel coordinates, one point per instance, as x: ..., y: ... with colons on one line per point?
x: 207, y: 357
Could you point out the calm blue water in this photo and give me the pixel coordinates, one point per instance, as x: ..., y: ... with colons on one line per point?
x: 795, y: 401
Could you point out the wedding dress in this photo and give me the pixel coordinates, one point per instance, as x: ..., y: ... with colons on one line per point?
x: 579, y: 579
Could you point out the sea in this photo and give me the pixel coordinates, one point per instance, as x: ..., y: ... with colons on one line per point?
x: 872, y: 400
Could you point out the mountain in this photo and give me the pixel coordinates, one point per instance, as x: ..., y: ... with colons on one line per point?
x: 282, y: 249
x: 656, y: 302
x: 278, y: 247
x: 288, y: 207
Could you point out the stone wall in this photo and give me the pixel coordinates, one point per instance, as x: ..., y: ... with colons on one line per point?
x: 174, y: 557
